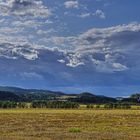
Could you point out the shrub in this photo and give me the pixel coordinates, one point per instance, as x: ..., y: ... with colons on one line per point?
x: 97, y: 106
x: 22, y: 105
x: 90, y: 106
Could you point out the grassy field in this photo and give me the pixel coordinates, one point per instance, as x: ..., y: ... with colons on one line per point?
x: 45, y: 124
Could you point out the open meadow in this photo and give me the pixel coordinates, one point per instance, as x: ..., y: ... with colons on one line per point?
x: 52, y: 124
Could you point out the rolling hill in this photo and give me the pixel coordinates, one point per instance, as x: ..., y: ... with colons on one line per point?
x: 27, y: 95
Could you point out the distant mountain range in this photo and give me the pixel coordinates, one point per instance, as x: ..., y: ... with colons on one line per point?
x: 29, y: 95
x: 21, y: 91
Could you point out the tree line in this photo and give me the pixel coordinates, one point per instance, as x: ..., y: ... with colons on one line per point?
x: 111, y: 106
x: 38, y: 104
x: 54, y: 104
x: 11, y: 104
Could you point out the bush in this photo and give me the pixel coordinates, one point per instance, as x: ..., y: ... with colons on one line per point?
x: 108, y: 106
x: 22, y: 105
x: 90, y: 106
x: 97, y: 106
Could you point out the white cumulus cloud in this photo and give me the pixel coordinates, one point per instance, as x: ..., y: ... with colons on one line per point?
x: 32, y: 8
x: 71, y: 4
x: 100, y: 14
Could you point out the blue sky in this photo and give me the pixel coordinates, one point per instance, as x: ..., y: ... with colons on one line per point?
x: 71, y: 45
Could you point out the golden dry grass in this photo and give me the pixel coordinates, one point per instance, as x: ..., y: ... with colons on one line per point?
x: 45, y: 124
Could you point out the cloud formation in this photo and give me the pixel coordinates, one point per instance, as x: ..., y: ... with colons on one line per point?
x: 71, y: 4
x: 84, y: 15
x: 32, y: 8
x: 100, y: 14
x: 37, y: 46
x: 106, y: 50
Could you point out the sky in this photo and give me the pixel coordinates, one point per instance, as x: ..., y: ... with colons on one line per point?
x: 71, y: 45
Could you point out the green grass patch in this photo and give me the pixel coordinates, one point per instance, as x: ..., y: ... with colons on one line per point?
x: 75, y: 130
